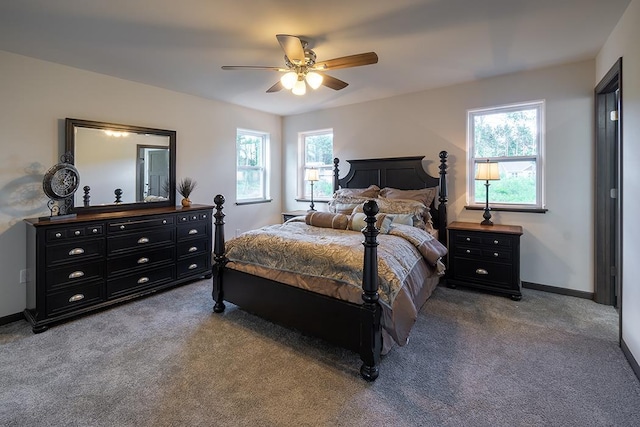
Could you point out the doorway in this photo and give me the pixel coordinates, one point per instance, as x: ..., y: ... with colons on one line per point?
x: 608, y: 221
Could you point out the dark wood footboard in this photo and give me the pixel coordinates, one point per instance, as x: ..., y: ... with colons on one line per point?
x: 354, y: 326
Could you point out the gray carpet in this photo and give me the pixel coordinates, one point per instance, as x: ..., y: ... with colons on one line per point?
x: 473, y: 360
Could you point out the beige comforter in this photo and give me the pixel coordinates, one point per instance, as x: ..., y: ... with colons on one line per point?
x: 329, y: 262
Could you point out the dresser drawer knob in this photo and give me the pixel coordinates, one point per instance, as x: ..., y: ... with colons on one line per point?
x: 58, y: 235
x: 143, y: 240
x: 193, y: 248
x: 76, y: 297
x: 192, y: 266
x: 193, y: 231
x: 468, y: 251
x: 495, y: 242
x: 143, y: 280
x: 122, y: 227
x: 468, y: 239
x: 94, y: 231
x: 496, y: 254
x: 76, y: 251
x: 164, y: 221
x: 482, y: 271
x: 77, y: 232
x: 143, y: 260
x: 76, y: 274
x: 193, y: 218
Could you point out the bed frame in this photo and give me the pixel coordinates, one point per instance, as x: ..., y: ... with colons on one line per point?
x: 353, y: 326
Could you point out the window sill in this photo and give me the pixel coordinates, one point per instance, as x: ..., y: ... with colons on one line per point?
x: 253, y: 202
x: 314, y: 201
x: 504, y: 209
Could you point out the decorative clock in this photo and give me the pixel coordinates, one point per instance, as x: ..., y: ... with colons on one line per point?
x: 59, y: 184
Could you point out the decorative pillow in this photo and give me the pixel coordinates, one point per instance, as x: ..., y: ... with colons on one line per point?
x: 370, y: 191
x: 327, y: 220
x: 415, y: 209
x: 423, y: 195
x: 357, y: 222
x: 345, y: 204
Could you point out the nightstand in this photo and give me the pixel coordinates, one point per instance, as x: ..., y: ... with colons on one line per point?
x: 485, y: 257
x: 286, y: 216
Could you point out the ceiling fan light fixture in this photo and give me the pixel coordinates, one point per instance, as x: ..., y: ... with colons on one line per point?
x: 314, y: 80
x: 289, y: 79
x: 300, y: 88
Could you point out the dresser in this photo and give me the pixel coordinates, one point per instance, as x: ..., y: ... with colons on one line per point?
x: 485, y: 257
x: 92, y: 261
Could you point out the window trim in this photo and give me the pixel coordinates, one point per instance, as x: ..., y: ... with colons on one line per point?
x: 540, y: 206
x: 302, y: 149
x: 265, y: 136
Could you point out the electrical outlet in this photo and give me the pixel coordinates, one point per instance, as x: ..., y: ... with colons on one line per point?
x: 23, y: 276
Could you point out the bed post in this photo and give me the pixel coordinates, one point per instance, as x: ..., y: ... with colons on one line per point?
x: 219, y: 260
x: 336, y: 174
x: 442, y: 199
x: 370, y: 320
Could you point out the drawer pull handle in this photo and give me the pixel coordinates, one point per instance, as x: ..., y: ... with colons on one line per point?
x: 143, y: 260
x: 468, y: 251
x: 76, y: 251
x: 76, y: 297
x: 482, y: 271
x: 193, y: 248
x: 58, y: 235
x: 496, y: 254
x: 76, y: 274
x: 122, y: 227
x: 143, y: 280
x: 184, y: 218
x: 94, y: 231
x: 193, y: 231
x: 77, y: 232
x: 468, y: 239
x: 204, y: 216
x: 193, y: 218
x: 164, y: 221
x: 495, y: 242
x: 192, y: 266
x: 143, y: 240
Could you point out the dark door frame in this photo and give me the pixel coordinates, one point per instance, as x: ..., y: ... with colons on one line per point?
x: 608, y: 201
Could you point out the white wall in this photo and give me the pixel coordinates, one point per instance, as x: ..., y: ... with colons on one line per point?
x: 623, y: 42
x: 36, y: 98
x: 557, y: 247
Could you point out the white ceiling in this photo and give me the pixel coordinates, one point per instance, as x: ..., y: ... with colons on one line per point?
x: 422, y: 44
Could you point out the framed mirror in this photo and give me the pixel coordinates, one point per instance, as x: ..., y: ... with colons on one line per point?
x: 121, y: 166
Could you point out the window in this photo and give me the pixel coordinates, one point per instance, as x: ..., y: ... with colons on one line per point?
x: 251, y: 172
x: 512, y: 136
x: 316, y: 153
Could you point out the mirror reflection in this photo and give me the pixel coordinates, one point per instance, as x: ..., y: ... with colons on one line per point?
x: 122, y: 165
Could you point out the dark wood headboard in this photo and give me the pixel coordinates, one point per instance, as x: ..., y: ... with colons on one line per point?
x: 404, y: 173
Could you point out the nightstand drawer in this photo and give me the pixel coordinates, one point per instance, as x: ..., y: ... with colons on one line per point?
x: 496, y: 241
x: 493, y: 273
x: 463, y: 238
x: 468, y: 251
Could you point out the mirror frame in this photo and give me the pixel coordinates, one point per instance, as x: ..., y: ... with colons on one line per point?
x: 70, y: 145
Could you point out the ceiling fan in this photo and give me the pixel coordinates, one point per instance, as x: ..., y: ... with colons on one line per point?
x: 302, y: 69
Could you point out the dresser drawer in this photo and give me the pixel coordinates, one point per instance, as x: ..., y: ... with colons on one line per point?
x: 192, y: 247
x: 493, y: 273
x: 497, y: 241
x: 74, y: 251
x: 140, y: 239
x: 192, y: 230
x: 75, y: 297
x: 140, y: 259
x: 62, y: 234
x: 116, y: 227
x: 70, y: 275
x: 195, y: 265
x: 464, y: 238
x: 148, y: 278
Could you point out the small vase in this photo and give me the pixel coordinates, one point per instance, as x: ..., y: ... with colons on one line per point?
x: 186, y: 202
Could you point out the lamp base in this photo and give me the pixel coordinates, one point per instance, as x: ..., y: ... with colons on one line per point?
x: 487, y: 217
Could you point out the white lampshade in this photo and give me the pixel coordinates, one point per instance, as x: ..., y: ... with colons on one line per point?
x: 311, y: 175
x: 300, y: 88
x: 289, y: 79
x: 314, y: 80
x: 488, y: 171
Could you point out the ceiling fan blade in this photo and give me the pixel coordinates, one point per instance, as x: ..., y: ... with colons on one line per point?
x: 275, y: 88
x: 358, y: 60
x: 333, y: 83
x: 292, y: 47
x: 252, y: 67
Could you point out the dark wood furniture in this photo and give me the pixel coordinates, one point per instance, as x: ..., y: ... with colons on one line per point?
x: 96, y: 260
x: 485, y: 257
x: 352, y: 326
x: 286, y: 216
